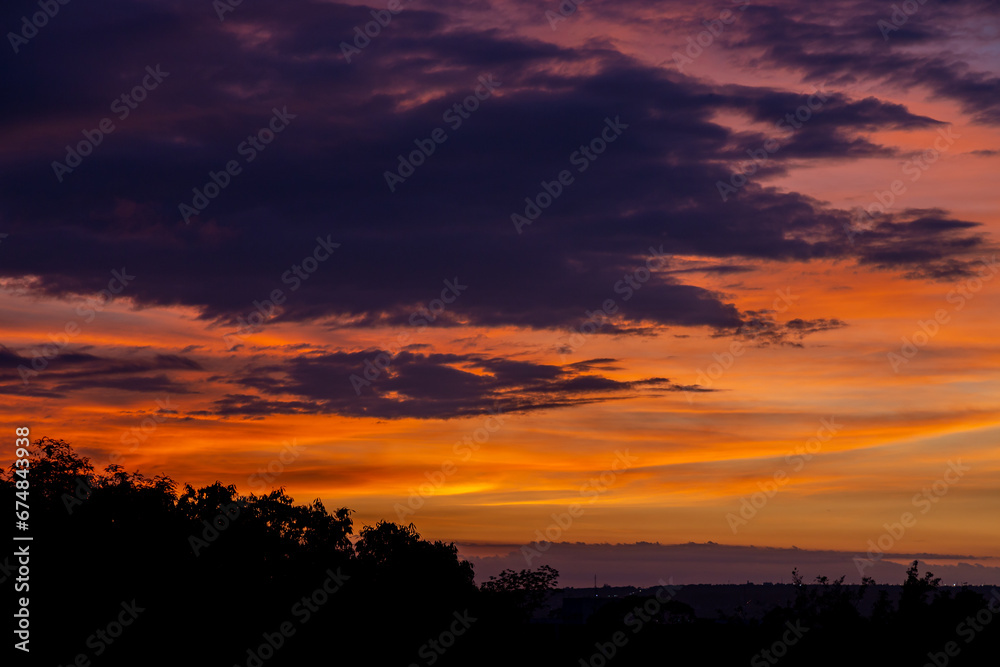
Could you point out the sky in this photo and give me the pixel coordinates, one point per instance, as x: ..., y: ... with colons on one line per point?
x: 519, y: 272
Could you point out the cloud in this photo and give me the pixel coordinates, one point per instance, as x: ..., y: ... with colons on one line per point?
x: 846, y: 45
x: 71, y: 371
x: 762, y: 330
x: 423, y: 386
x: 323, y: 176
x: 924, y: 242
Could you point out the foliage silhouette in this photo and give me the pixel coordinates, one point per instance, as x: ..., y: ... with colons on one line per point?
x: 218, y: 574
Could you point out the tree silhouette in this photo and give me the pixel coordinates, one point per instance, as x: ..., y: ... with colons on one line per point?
x: 222, y: 571
x: 526, y: 590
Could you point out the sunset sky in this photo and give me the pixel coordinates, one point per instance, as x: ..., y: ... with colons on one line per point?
x: 785, y: 338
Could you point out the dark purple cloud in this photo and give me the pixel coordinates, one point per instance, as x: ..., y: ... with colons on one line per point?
x: 54, y: 371
x: 323, y: 175
x: 374, y: 384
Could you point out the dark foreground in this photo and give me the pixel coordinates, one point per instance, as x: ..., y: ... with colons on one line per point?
x: 126, y: 570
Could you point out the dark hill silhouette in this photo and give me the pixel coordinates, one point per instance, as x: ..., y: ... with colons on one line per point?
x: 127, y: 571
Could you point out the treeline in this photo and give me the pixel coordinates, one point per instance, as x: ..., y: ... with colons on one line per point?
x: 127, y: 569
